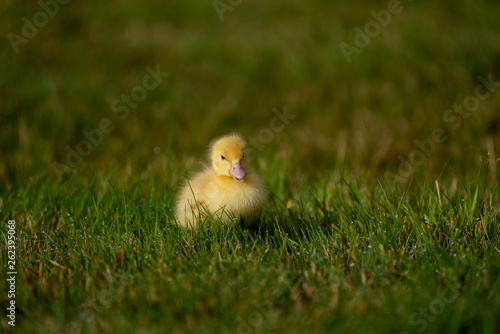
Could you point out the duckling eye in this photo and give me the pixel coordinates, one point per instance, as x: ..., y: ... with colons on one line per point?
x: 222, y: 157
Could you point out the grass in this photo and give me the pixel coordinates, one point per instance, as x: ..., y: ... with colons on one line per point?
x: 342, y: 246
x: 340, y: 258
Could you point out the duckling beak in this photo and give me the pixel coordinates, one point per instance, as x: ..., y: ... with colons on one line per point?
x: 237, y: 172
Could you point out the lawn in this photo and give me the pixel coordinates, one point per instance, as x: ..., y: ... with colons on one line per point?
x: 374, y: 124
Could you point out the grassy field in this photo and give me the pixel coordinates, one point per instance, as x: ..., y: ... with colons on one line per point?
x: 374, y: 124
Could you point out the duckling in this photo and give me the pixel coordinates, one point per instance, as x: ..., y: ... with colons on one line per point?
x: 227, y: 189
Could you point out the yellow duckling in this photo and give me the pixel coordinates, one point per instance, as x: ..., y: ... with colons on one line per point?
x: 227, y: 189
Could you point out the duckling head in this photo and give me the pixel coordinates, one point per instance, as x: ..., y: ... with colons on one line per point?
x: 228, y: 157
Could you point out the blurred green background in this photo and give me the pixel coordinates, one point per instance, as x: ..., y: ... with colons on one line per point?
x: 226, y: 75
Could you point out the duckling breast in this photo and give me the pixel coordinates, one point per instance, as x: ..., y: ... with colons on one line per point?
x: 242, y: 200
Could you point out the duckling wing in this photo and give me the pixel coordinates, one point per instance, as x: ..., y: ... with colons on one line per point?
x: 194, y: 198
